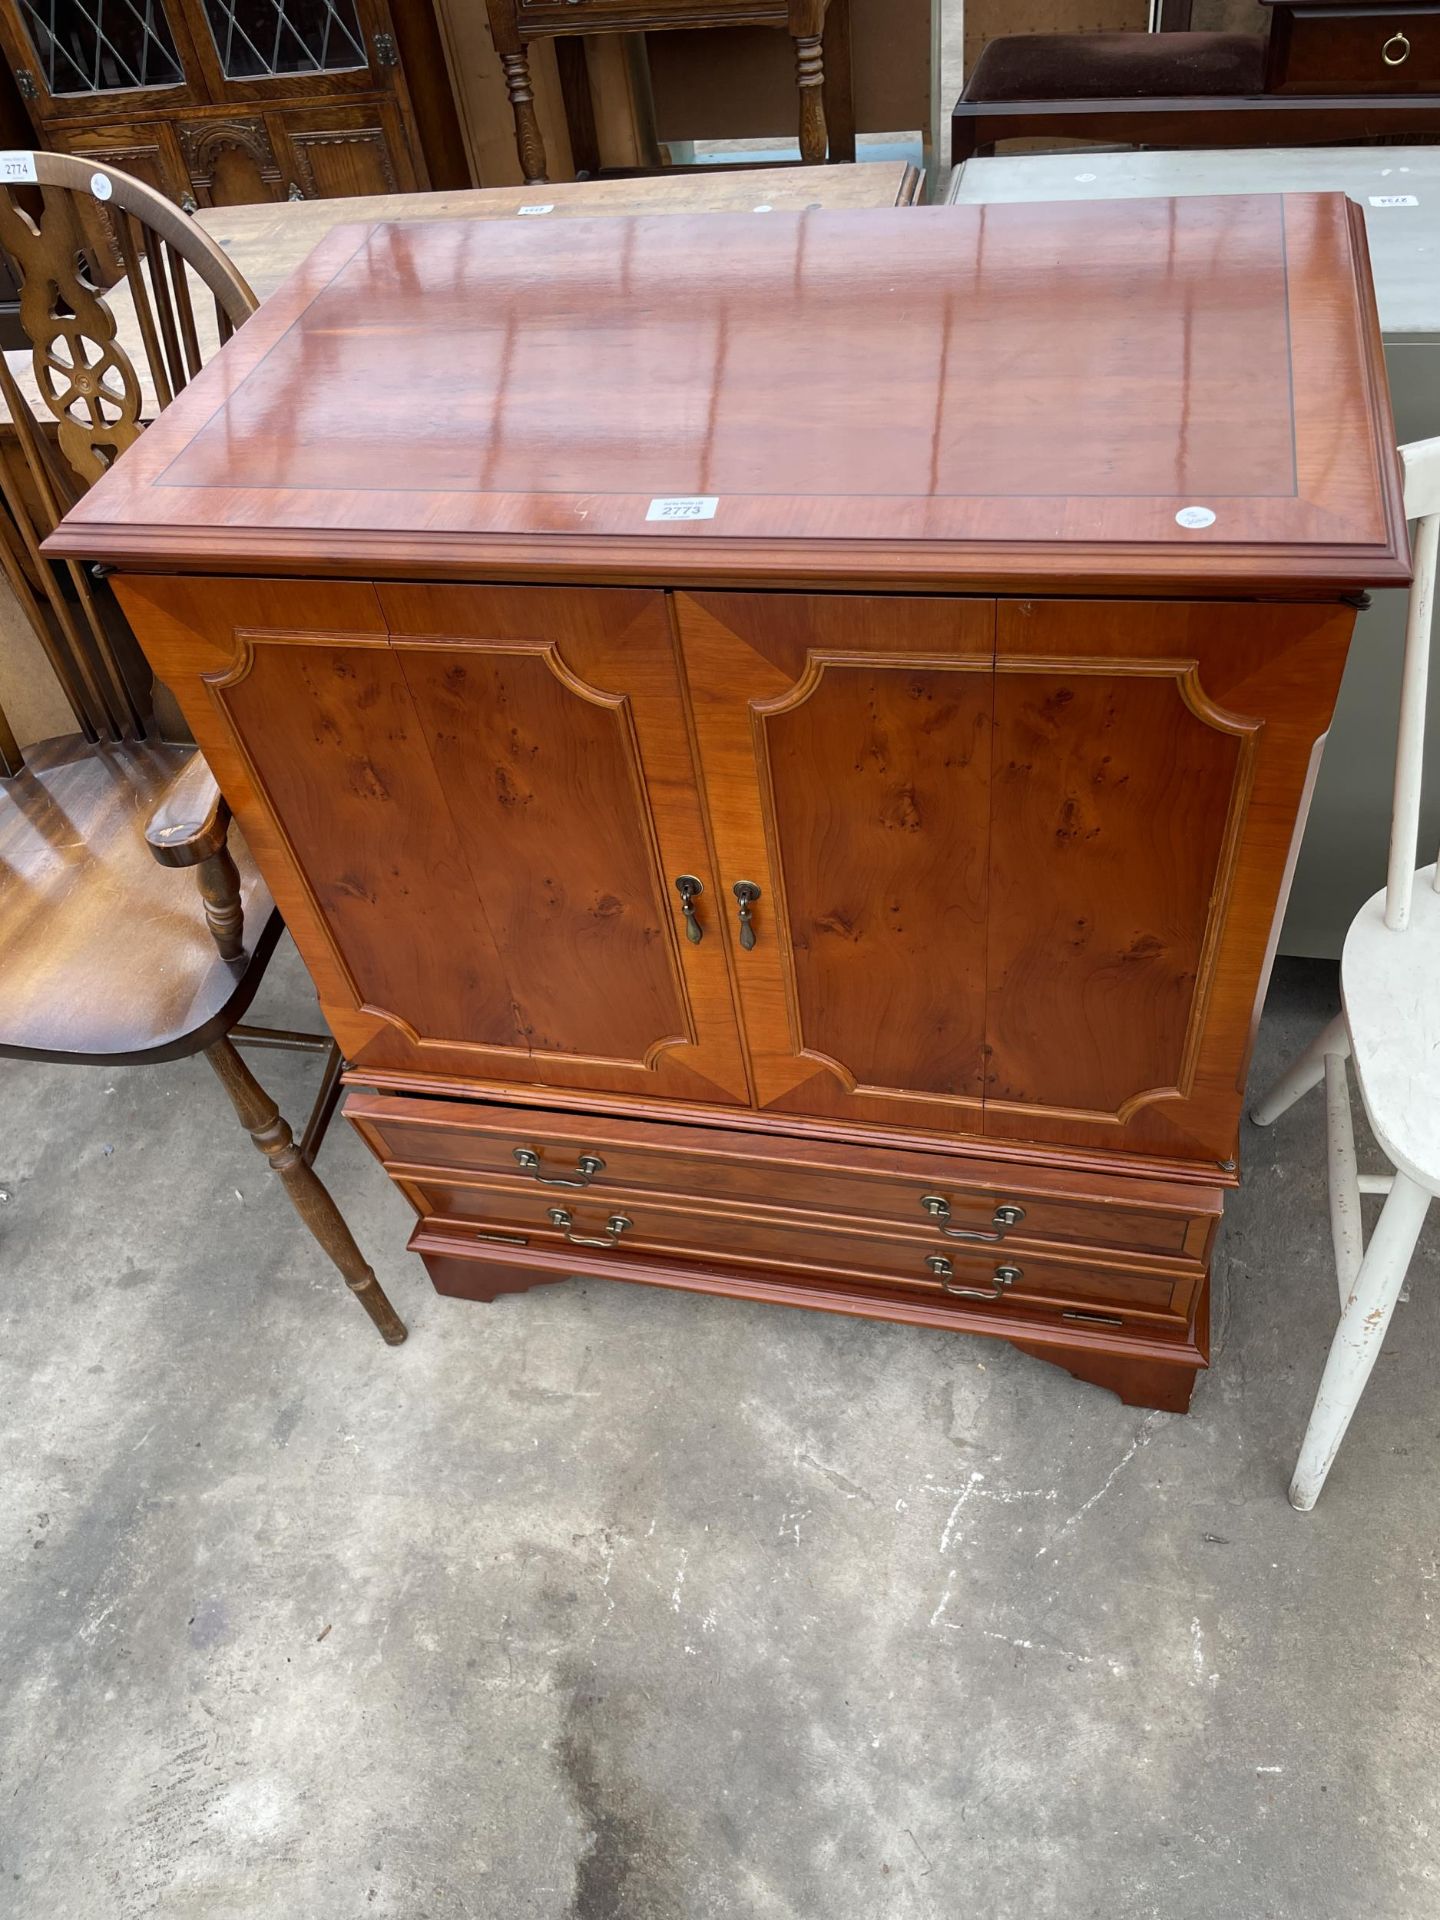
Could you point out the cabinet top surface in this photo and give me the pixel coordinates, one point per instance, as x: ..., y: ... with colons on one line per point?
x: 1173, y: 392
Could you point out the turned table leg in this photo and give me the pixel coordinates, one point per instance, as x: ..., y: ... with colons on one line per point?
x: 262, y: 1120
x: 810, y: 73
x: 529, y: 141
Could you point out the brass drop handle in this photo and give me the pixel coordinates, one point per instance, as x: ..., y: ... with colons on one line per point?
x: 688, y: 887
x: 1004, y: 1217
x: 943, y: 1267
x: 746, y: 893
x: 562, y: 1218
x: 1401, y: 52
x: 587, y: 1166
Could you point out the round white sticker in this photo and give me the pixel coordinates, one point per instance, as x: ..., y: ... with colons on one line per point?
x: 1195, y: 517
x: 100, y: 186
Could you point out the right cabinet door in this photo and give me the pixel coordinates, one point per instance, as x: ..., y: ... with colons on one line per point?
x: 1150, y: 769
x: 844, y: 742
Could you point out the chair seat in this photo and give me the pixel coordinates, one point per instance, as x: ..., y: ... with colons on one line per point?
x: 1116, y: 66
x: 1390, y: 986
x: 105, y: 954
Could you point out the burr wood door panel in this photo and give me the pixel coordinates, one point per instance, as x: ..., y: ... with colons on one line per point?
x: 844, y: 744
x: 555, y: 726
x: 470, y: 802
x: 1150, y: 769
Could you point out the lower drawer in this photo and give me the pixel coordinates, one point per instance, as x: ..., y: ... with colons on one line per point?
x: 955, y: 1201
x: 625, y: 1225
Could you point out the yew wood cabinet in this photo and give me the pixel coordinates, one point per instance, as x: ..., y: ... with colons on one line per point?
x: 781, y: 738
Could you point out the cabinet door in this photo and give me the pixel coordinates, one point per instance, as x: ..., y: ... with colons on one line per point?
x: 845, y: 748
x: 335, y: 153
x: 470, y: 804
x: 1151, y: 767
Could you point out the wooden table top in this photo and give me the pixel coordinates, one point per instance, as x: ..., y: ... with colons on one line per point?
x: 1396, y: 188
x: 268, y: 242
x: 1160, y: 394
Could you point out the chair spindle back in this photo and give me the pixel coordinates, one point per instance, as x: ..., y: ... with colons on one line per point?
x: 98, y: 228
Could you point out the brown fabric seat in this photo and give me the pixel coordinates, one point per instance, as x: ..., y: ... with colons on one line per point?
x: 1116, y: 66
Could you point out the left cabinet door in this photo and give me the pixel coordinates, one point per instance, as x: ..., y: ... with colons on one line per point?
x: 472, y: 804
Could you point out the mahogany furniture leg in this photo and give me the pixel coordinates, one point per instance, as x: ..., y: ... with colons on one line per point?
x: 262, y: 1120
x: 1139, y: 1383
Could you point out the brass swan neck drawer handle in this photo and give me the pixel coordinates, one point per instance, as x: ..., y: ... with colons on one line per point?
x: 689, y: 889
x: 1004, y: 1217
x: 587, y: 1166
x: 1396, y: 50
x: 943, y: 1267
x: 746, y: 893
x: 562, y: 1218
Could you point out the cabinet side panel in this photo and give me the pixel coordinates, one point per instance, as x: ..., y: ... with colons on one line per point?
x: 192, y: 631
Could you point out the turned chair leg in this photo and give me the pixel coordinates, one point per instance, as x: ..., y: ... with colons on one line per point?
x: 261, y: 1119
x: 1358, y: 1338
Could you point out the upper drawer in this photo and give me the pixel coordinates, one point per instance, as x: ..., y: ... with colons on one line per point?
x: 941, y: 1197
x: 1384, y: 50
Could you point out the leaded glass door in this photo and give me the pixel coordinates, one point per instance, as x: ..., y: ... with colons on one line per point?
x: 77, y: 57
x: 258, y: 49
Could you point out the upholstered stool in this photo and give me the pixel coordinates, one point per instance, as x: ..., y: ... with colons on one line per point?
x: 1215, y: 89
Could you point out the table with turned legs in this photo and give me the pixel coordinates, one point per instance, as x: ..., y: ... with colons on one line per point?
x: 514, y: 23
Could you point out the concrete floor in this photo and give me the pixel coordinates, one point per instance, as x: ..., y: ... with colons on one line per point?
x: 624, y: 1605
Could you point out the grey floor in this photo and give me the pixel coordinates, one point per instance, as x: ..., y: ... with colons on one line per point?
x: 626, y: 1605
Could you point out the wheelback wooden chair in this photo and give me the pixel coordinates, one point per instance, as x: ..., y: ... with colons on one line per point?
x: 108, y: 955
x: 1389, y: 1031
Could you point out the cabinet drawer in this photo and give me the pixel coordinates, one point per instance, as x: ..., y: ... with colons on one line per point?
x: 830, y: 1181
x: 1379, y: 50
x: 632, y: 1225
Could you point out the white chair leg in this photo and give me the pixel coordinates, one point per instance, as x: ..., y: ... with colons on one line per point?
x: 1347, y: 1229
x: 1306, y: 1072
x: 1358, y: 1338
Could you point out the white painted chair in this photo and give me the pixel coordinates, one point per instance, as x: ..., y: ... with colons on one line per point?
x: 1390, y: 1030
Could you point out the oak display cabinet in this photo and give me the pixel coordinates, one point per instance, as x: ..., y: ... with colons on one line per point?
x: 782, y: 739
x: 228, y: 102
